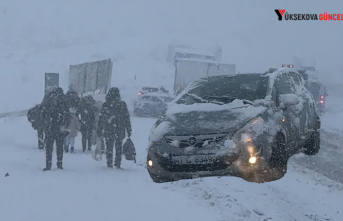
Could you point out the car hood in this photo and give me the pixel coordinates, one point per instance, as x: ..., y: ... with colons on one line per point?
x: 209, y: 118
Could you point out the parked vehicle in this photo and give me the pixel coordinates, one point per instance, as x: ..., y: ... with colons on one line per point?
x: 246, y: 125
x: 151, y: 102
x: 318, y: 91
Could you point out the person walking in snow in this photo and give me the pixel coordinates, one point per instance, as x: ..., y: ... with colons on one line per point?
x: 114, y: 121
x: 73, y: 128
x: 55, y: 114
x: 87, y: 121
x: 74, y: 101
x: 98, y: 105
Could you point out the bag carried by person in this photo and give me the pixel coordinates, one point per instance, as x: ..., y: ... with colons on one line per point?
x: 129, y: 150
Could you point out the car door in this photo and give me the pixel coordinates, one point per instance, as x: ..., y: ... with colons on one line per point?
x: 307, y: 115
x: 284, y: 87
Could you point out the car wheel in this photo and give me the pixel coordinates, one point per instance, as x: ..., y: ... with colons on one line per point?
x: 160, y: 179
x: 312, y: 145
x: 279, y: 158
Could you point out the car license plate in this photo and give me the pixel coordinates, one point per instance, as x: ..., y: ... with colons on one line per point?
x: 194, y: 159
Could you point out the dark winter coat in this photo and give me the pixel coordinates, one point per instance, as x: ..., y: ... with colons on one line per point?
x: 55, y: 113
x: 73, y: 101
x: 87, y: 115
x: 114, y: 118
x: 34, y: 116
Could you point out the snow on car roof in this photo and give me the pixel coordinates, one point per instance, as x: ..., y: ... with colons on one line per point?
x: 156, y: 94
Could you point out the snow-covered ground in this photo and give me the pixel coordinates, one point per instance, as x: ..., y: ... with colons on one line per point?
x: 87, y: 190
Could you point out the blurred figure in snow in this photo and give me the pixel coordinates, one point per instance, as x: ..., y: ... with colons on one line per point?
x: 55, y: 114
x: 73, y: 129
x: 73, y: 101
x: 87, y: 114
x: 34, y: 116
x: 98, y: 105
x: 114, y: 121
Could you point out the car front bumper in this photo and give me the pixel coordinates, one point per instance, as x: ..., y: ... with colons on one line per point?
x: 235, y: 164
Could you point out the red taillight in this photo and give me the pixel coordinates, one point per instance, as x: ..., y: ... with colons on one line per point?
x: 139, y: 93
x: 321, y: 101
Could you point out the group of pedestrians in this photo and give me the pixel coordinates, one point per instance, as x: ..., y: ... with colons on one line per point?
x: 59, y: 118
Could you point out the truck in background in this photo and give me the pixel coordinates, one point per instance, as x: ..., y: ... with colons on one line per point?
x: 189, y: 70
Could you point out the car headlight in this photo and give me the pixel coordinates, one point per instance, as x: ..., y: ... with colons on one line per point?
x: 250, y: 131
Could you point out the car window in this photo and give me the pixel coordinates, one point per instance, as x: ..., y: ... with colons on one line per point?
x: 297, y: 82
x: 224, y: 89
x: 147, y: 98
x: 151, y: 99
x: 295, y: 77
x: 168, y: 99
x: 283, y: 85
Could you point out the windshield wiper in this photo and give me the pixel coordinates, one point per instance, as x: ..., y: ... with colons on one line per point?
x: 229, y: 99
x: 247, y: 101
x: 195, y: 97
x: 203, y: 100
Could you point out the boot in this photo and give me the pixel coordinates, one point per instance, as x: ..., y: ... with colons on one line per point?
x: 71, y: 149
x: 59, y: 165
x: 83, y: 145
x: 117, y: 165
x: 109, y: 166
x: 48, y: 166
x: 66, y: 149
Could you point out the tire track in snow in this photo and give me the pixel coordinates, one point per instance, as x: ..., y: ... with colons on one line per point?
x: 329, y: 160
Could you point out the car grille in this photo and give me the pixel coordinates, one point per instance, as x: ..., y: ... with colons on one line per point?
x: 184, y: 141
x: 221, y: 163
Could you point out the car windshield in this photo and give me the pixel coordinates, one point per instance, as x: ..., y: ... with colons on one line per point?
x: 223, y: 90
x: 149, y: 89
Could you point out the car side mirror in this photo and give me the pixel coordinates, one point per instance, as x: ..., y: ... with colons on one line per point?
x: 287, y: 100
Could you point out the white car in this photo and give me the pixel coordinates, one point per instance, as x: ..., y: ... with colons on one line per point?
x: 151, y: 102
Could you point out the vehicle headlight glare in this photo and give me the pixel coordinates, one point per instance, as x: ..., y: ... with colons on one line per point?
x: 250, y: 131
x: 150, y: 163
x: 245, y: 137
x: 252, y: 160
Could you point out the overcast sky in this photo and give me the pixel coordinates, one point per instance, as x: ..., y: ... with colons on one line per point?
x: 248, y: 31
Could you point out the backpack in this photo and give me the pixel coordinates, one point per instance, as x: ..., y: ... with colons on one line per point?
x: 129, y: 150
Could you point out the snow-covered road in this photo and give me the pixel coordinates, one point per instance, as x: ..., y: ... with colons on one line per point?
x: 87, y: 190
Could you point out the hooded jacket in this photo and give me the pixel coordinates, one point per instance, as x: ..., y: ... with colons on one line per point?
x: 55, y: 114
x: 87, y: 114
x: 114, y: 117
